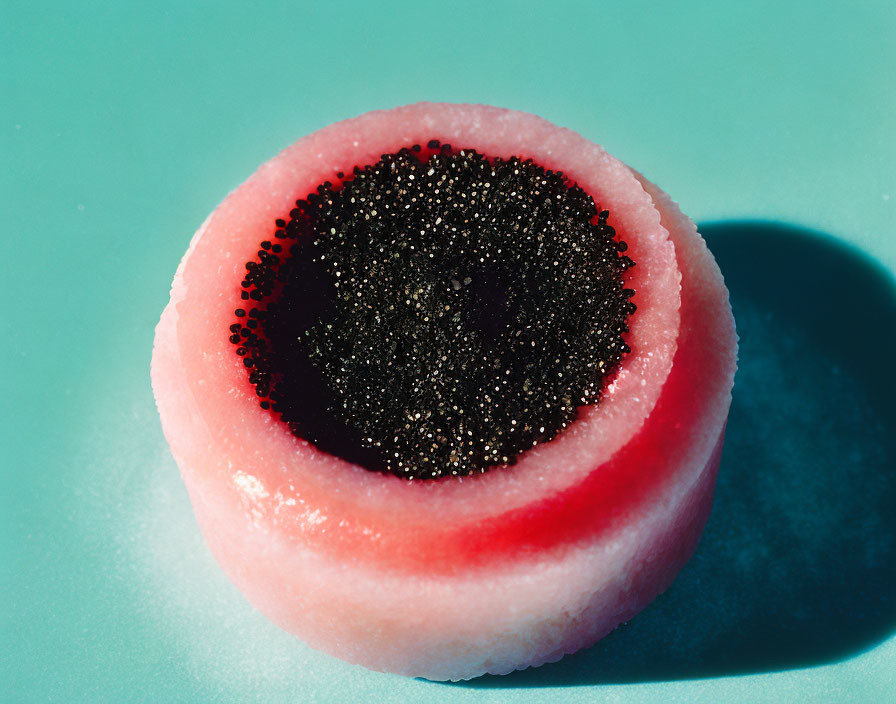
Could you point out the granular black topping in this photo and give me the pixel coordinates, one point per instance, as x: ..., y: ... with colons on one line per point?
x: 437, y: 313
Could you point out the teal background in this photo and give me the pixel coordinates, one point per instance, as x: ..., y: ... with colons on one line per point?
x: 124, y: 124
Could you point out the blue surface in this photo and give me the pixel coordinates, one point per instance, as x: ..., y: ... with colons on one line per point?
x: 771, y: 123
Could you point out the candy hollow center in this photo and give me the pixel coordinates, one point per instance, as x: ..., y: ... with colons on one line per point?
x: 437, y: 313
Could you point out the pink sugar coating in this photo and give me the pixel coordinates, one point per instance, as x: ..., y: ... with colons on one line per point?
x: 316, y: 492
x: 321, y: 547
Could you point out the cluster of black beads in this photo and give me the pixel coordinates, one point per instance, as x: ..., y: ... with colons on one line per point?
x: 440, y: 311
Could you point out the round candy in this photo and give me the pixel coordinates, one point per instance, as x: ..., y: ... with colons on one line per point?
x: 490, y: 571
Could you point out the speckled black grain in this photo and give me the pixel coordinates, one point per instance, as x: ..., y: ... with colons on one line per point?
x: 438, y: 313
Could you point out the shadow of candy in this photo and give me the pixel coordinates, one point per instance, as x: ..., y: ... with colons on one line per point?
x: 797, y: 565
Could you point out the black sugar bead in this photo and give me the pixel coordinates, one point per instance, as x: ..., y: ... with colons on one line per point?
x: 437, y: 316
